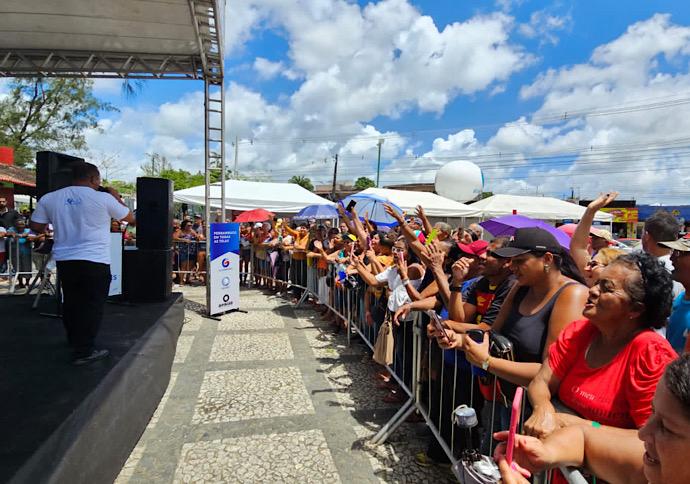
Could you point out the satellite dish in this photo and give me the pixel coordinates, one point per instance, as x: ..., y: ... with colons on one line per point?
x: 459, y: 180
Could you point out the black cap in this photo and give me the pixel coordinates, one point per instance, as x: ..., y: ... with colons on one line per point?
x: 531, y: 239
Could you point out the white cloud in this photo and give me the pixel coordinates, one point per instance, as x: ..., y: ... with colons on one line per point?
x: 544, y: 24
x: 266, y: 68
x: 619, y: 151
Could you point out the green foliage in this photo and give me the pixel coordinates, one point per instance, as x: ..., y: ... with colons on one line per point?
x: 182, y: 178
x: 48, y: 114
x: 363, y: 183
x: 302, y: 181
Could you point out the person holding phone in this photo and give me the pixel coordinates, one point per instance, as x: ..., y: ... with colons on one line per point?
x: 397, y: 278
x: 474, y: 308
x: 654, y: 454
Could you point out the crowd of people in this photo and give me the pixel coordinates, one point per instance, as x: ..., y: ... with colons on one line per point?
x: 589, y: 330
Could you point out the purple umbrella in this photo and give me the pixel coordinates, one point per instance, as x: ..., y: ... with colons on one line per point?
x: 507, y: 225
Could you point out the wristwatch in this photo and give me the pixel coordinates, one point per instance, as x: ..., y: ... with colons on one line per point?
x: 485, y: 363
x: 455, y: 288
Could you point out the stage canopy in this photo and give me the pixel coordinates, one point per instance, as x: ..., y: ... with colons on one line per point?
x: 248, y: 195
x: 434, y: 205
x: 543, y: 208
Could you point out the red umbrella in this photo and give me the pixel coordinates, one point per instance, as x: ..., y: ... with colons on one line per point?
x: 256, y: 215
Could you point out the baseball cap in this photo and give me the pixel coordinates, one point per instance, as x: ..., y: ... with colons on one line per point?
x: 601, y: 233
x: 258, y: 225
x: 477, y: 248
x: 528, y: 240
x: 682, y: 245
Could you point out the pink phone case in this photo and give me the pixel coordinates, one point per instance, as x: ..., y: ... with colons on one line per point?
x: 514, y: 418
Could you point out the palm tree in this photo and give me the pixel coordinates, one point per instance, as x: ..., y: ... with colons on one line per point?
x: 302, y: 181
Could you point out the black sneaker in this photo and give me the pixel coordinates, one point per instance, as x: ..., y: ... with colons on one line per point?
x: 94, y: 356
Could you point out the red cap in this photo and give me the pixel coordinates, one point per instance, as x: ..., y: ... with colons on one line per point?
x: 478, y: 247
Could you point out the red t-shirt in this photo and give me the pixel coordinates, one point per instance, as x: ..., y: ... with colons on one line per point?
x: 618, y: 393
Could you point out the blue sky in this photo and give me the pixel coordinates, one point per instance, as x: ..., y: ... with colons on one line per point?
x: 438, y: 80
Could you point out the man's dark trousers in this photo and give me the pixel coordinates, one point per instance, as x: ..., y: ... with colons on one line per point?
x: 85, y: 287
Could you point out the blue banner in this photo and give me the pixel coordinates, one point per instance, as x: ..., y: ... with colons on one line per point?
x: 224, y: 270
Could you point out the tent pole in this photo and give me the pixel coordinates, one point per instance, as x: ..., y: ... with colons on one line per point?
x: 207, y: 191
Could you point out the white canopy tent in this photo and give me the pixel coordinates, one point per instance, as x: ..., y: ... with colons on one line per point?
x: 543, y: 208
x: 434, y: 205
x: 248, y: 195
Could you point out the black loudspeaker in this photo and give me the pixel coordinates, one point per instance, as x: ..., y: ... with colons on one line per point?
x: 147, y: 274
x: 53, y: 171
x: 154, y: 213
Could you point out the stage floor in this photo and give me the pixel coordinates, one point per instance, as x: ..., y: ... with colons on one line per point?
x: 40, y: 386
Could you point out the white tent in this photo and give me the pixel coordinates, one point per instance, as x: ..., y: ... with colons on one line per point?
x: 434, y: 205
x: 248, y: 195
x: 543, y: 208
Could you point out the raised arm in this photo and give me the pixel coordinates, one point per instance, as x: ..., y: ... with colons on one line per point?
x: 412, y: 240
x: 425, y: 221
x: 578, y: 243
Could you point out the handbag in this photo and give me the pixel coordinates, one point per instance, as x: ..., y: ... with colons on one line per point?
x: 383, y: 348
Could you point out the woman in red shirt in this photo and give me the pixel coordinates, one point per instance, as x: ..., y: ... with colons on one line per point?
x: 606, y: 367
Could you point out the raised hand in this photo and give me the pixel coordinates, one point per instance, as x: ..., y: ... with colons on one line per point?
x: 460, y: 269
x: 602, y: 200
x: 391, y: 211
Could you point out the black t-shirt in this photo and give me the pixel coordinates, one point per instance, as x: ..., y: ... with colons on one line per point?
x: 8, y: 218
x: 488, y: 298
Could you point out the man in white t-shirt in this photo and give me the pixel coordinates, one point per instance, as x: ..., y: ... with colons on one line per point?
x: 81, y: 215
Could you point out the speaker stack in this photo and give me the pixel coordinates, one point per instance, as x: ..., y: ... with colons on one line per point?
x: 53, y: 171
x: 147, y: 270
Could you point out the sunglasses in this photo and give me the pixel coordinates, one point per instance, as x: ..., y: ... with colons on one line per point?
x: 680, y: 253
x: 593, y: 263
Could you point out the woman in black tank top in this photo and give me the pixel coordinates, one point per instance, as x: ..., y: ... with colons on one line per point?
x: 548, y: 296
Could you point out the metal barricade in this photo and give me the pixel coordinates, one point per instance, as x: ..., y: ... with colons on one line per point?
x: 435, y: 381
x: 189, y: 261
x: 18, y: 265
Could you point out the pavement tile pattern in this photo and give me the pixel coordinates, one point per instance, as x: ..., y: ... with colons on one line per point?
x: 273, y: 395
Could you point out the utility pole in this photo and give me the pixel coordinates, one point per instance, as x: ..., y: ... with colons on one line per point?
x: 335, y: 174
x: 234, y: 172
x: 378, y: 164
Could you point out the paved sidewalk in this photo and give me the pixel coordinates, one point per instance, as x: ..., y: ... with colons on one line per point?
x: 271, y: 396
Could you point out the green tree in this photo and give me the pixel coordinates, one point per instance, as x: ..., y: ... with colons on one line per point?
x: 48, y: 114
x: 363, y: 183
x: 302, y: 181
x: 182, y: 178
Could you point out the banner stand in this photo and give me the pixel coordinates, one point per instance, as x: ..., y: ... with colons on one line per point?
x: 223, y: 270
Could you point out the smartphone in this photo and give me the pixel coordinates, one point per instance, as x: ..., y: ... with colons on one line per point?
x: 514, y: 417
x: 436, y: 321
x: 368, y: 242
x: 476, y: 335
x: 351, y: 205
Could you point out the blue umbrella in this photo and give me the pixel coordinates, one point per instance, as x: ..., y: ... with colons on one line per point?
x: 318, y: 212
x: 373, y: 207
